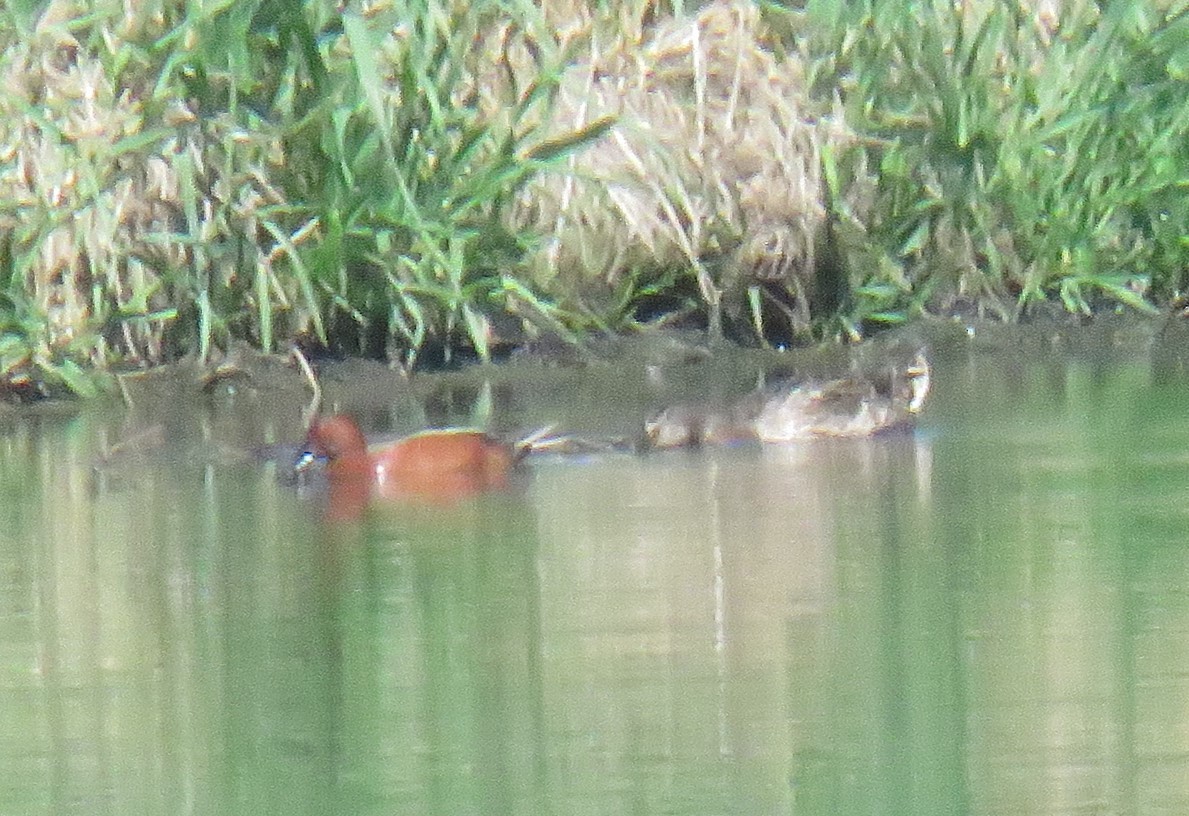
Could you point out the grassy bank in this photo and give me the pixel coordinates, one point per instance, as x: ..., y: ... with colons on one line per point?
x: 434, y: 181
x: 1013, y: 156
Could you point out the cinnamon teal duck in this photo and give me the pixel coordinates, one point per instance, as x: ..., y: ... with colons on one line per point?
x: 436, y: 465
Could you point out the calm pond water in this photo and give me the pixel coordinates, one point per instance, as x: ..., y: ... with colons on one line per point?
x: 989, y: 616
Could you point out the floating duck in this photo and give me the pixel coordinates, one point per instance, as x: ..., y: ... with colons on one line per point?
x: 436, y: 465
x: 790, y: 411
x: 848, y: 407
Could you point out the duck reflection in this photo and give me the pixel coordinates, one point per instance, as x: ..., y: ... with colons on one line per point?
x: 438, y: 626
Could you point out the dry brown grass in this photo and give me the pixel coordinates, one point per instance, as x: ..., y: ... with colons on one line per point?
x: 79, y: 203
x: 715, y: 162
x: 41, y: 181
x: 112, y: 199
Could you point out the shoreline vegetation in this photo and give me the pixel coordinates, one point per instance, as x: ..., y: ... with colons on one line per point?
x: 443, y: 181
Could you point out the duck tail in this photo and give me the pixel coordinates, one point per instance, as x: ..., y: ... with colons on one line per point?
x: 919, y: 374
x: 548, y: 440
x: 534, y: 440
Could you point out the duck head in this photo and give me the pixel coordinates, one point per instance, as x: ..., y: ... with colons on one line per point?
x: 335, y: 437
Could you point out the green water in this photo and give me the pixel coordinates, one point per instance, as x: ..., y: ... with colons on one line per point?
x: 989, y: 617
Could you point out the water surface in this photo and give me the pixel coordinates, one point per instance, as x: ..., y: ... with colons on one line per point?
x: 989, y: 616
